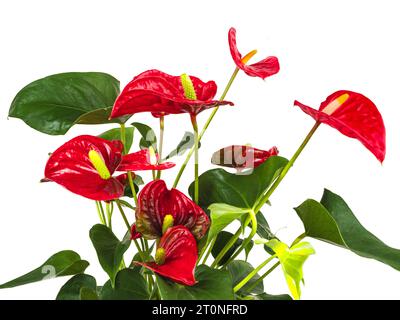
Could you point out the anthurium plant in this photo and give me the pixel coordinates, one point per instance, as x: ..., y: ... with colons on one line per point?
x: 178, y: 235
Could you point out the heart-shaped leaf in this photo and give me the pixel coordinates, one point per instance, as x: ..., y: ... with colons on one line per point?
x: 71, y: 290
x: 332, y: 220
x: 63, y: 263
x: 129, y: 285
x: 212, y: 284
x: 110, y: 250
x: 115, y: 134
x: 55, y: 103
x: 239, y: 190
x: 239, y: 270
x: 149, y: 138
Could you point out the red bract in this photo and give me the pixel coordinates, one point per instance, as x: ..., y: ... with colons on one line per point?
x: 161, y: 94
x: 73, y: 166
x: 176, y: 256
x: 242, y: 157
x: 355, y: 116
x: 159, y: 208
x: 262, y: 69
x: 134, y: 234
x: 143, y: 160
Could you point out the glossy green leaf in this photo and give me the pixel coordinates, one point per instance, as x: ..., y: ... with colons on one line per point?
x: 332, y: 221
x: 222, y: 239
x: 55, y: 103
x: 88, y: 294
x: 266, y: 296
x: 239, y: 190
x: 292, y: 260
x: 63, y: 263
x: 129, y: 285
x: 149, y: 138
x: 239, y: 270
x: 212, y: 284
x: 221, y: 215
x: 71, y: 290
x: 185, y: 144
x: 115, y: 134
x: 109, y: 249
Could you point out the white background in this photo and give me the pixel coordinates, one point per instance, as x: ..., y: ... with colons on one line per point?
x: 322, y: 46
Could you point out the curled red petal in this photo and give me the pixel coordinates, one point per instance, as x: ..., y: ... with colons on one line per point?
x: 161, y: 94
x: 141, y: 161
x: 242, y: 157
x: 262, y: 69
x: 155, y: 201
x: 71, y: 167
x: 357, y: 117
x: 134, y: 234
x: 180, y: 256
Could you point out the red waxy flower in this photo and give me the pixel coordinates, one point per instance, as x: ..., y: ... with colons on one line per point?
x: 262, y: 69
x: 134, y: 234
x: 242, y: 157
x: 145, y: 159
x: 355, y: 116
x: 159, y: 208
x: 176, y: 256
x: 160, y: 93
x: 85, y: 165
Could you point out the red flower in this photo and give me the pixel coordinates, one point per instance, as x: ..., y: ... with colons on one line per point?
x: 159, y: 208
x: 355, y: 116
x: 262, y: 69
x: 143, y: 160
x: 242, y: 157
x: 176, y: 256
x: 134, y: 234
x: 85, y: 165
x: 160, y: 93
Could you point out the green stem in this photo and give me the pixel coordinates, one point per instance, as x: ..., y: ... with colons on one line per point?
x: 161, y: 142
x: 251, y: 217
x: 230, y: 243
x: 132, y: 186
x: 209, y: 250
x: 206, y: 125
x: 252, y: 274
x: 196, y: 158
x: 109, y: 214
x: 100, y: 212
x: 298, y: 239
x: 260, y: 279
x: 121, y: 210
x: 123, y: 136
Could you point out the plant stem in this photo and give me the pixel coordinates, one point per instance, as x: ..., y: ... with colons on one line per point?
x: 230, y: 243
x: 206, y: 125
x: 251, y: 217
x: 298, y: 239
x: 100, y: 212
x: 209, y: 250
x: 196, y: 158
x: 121, y: 210
x: 109, y: 214
x: 161, y: 142
x: 251, y: 287
x: 252, y: 274
x: 132, y: 186
x: 123, y: 137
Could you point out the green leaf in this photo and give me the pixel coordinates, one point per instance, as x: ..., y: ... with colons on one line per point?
x: 266, y: 296
x: 292, y: 260
x: 212, y: 284
x: 63, y: 263
x: 222, y: 239
x: 88, y: 294
x: 55, y: 103
x: 129, y: 285
x: 242, y: 191
x: 239, y: 270
x: 71, y: 290
x: 115, y: 134
x: 222, y: 215
x: 186, y: 143
x: 263, y: 229
x: 333, y: 221
x: 149, y: 138
x: 109, y: 249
